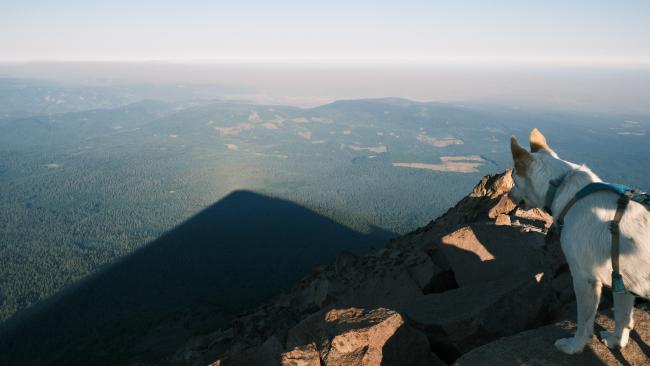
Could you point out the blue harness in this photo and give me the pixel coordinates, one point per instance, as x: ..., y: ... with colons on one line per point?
x: 620, y: 189
x: 625, y: 194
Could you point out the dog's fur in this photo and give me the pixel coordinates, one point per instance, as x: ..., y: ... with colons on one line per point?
x: 586, y: 238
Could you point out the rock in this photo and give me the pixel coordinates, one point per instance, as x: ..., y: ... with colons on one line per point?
x: 354, y: 336
x: 392, y: 288
x: 302, y: 356
x: 563, y: 287
x: 316, y: 293
x: 467, y: 317
x: 502, y: 220
x: 344, y: 261
x: 567, y: 295
x: 503, y: 207
x: 534, y: 217
x: 421, y: 268
x: 265, y: 354
x: 493, y: 186
x: 480, y: 253
x: 473, y: 208
x: 536, y: 347
x: 562, y: 282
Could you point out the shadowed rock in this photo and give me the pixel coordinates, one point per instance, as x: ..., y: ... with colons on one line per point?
x: 480, y: 253
x: 535, y: 347
x: 467, y: 317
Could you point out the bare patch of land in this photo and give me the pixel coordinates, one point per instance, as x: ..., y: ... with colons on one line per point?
x: 233, y: 130
x: 632, y: 133
x: 375, y: 149
x: 271, y: 155
x: 321, y: 120
x: 439, y: 141
x: 455, y: 167
x: 461, y: 158
x: 305, y: 134
x: 270, y: 126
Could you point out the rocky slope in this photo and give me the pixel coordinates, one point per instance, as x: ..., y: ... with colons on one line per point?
x: 477, y: 286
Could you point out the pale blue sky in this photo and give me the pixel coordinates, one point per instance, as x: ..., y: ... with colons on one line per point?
x: 602, y: 32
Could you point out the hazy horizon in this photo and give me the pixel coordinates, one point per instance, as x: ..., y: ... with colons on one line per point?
x: 591, y: 56
x: 308, y: 84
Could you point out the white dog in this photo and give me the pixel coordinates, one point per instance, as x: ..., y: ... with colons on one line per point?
x: 542, y: 179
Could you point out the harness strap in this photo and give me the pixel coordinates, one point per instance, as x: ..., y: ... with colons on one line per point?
x: 553, y: 186
x: 618, y: 287
x: 589, y: 189
x: 565, y: 210
x: 617, y: 280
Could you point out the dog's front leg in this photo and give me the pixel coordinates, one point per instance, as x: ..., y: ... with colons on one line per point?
x: 587, y: 297
x: 623, y: 315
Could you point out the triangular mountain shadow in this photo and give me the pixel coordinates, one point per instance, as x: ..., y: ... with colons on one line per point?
x: 224, y: 260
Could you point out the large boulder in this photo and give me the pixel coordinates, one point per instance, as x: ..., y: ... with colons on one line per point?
x: 391, y: 280
x: 355, y: 336
x: 535, y: 347
x: 485, y: 252
x: 459, y: 320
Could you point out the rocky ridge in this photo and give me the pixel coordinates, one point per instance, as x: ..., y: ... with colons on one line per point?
x: 477, y: 286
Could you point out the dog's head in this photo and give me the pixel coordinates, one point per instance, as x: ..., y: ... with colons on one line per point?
x: 533, y: 171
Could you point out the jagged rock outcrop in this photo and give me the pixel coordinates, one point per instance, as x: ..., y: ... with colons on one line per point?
x: 482, y: 271
x: 355, y: 336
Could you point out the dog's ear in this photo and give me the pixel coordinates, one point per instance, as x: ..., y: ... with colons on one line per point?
x: 538, y: 142
x: 520, y: 156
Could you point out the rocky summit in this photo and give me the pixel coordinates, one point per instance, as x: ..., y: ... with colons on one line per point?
x: 484, y: 284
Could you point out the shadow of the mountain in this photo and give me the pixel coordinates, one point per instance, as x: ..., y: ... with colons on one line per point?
x: 226, y: 259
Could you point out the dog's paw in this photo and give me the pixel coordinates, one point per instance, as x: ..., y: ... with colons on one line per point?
x: 611, y: 340
x: 568, y: 346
